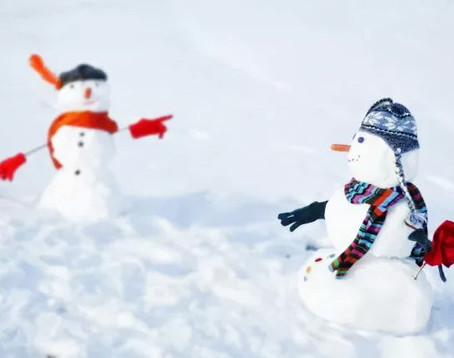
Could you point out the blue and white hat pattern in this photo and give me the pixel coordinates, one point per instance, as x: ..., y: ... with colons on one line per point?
x: 394, y: 123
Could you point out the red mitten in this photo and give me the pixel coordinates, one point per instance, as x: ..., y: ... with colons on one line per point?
x: 9, y: 166
x: 146, y: 127
x: 442, y: 251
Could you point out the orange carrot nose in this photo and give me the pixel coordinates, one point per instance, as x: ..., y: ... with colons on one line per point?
x: 340, y: 147
x: 87, y: 93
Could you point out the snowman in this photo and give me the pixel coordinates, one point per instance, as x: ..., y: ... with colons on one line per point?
x: 81, y: 145
x: 377, y: 225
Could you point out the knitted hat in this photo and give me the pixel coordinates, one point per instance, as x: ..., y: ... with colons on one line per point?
x: 392, y: 122
x: 82, y: 72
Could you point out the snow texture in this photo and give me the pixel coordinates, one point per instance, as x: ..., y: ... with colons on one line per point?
x: 196, y: 265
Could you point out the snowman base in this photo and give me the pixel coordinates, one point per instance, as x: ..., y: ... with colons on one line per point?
x: 82, y: 196
x: 377, y: 294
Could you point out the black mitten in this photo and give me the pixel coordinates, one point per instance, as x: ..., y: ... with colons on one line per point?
x: 421, y: 238
x: 305, y: 215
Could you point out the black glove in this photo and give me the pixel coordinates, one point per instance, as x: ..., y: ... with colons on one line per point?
x: 421, y: 238
x: 304, y: 215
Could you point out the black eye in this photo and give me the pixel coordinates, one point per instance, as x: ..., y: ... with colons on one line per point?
x: 71, y: 86
x: 360, y: 139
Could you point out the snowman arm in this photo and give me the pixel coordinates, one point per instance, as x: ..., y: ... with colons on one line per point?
x: 9, y: 166
x: 145, y: 127
x: 305, y: 215
x: 34, y: 150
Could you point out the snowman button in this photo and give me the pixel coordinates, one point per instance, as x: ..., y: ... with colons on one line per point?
x: 81, y: 144
x: 77, y: 172
x: 82, y: 134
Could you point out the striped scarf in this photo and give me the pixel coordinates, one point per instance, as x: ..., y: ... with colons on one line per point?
x: 380, y: 200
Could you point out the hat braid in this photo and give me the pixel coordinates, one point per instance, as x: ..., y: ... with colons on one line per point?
x: 415, y: 219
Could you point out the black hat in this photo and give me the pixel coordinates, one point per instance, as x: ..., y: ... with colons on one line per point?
x: 82, y: 72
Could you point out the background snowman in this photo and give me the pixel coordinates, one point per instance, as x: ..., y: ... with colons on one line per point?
x: 374, y: 223
x: 81, y: 144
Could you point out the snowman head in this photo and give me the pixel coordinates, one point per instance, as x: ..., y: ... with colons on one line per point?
x: 373, y: 161
x: 385, y: 146
x: 384, y: 151
x: 84, y: 88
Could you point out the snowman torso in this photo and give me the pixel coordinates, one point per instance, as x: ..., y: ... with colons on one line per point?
x: 83, y: 148
x: 84, y: 188
x: 372, y: 161
x: 344, y: 219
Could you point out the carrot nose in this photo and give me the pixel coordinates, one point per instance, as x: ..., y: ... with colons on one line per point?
x: 340, y: 147
x: 87, y: 93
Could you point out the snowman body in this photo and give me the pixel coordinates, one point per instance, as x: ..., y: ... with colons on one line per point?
x: 379, y: 293
x: 391, y: 241
x: 84, y: 187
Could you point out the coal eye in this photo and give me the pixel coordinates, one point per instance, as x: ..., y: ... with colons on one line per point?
x: 360, y: 139
x: 71, y: 86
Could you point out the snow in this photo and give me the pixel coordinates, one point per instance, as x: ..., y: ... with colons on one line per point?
x: 197, y: 265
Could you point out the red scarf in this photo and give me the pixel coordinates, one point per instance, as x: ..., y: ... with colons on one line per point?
x: 87, y: 119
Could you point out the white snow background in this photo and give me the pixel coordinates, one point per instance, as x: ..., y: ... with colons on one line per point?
x: 198, y: 265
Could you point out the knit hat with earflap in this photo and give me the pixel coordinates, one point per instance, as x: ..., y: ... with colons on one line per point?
x: 394, y: 123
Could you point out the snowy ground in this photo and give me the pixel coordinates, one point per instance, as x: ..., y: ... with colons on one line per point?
x: 197, y: 265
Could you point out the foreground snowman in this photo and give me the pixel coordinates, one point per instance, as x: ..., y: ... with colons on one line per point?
x: 377, y: 225
x: 81, y: 145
